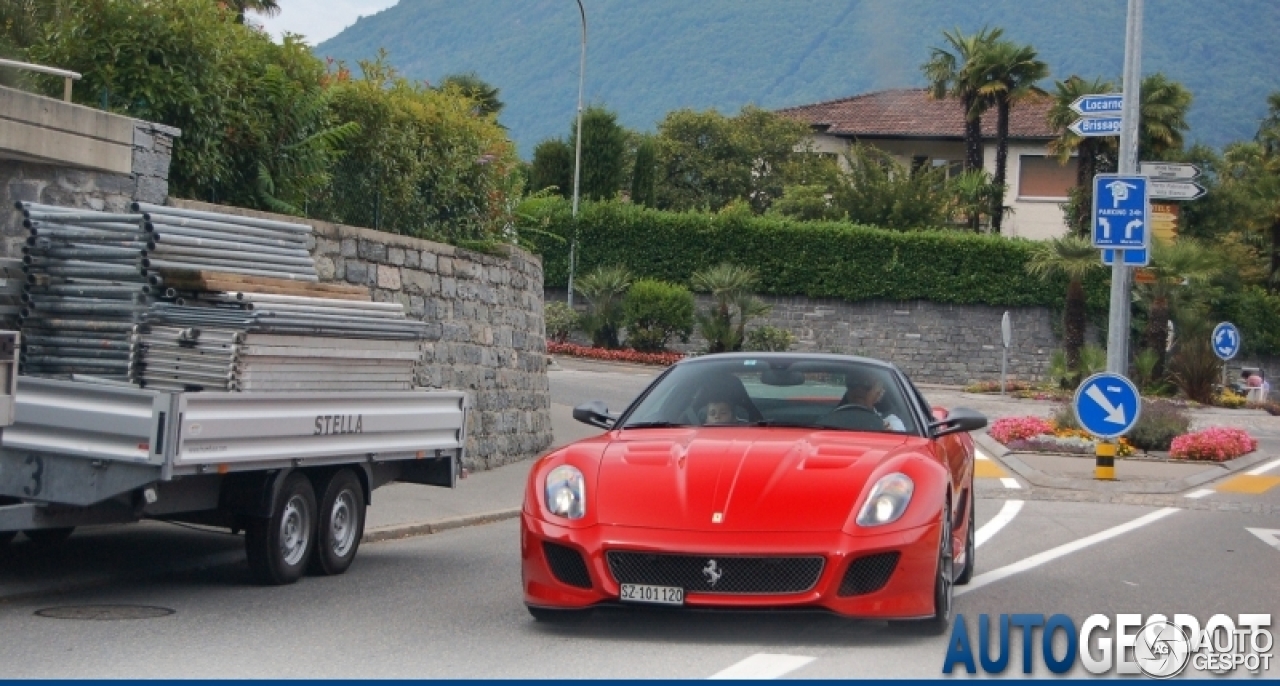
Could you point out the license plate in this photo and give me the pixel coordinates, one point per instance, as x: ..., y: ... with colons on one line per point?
x: 660, y: 595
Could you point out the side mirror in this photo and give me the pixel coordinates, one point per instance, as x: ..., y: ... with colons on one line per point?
x: 959, y: 419
x: 596, y: 413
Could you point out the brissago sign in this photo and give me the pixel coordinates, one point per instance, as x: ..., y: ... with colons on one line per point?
x: 1156, y: 645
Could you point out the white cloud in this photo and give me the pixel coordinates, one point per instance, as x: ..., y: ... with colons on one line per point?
x: 318, y: 20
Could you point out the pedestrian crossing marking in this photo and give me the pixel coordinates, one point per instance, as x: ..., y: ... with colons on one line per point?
x: 988, y: 469
x: 1249, y: 483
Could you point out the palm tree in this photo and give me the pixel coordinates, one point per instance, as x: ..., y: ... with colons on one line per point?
x: 1009, y: 72
x: 268, y: 7
x: 1075, y: 258
x: 476, y: 88
x: 972, y: 195
x: 1163, y: 111
x: 1173, y: 265
x: 1093, y: 153
x: 950, y: 71
x: 604, y: 289
x: 731, y: 287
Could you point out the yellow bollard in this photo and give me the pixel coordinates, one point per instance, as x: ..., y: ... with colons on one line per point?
x: 1105, y: 467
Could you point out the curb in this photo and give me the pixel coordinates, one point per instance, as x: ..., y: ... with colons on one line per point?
x: 1038, y: 478
x: 397, y: 531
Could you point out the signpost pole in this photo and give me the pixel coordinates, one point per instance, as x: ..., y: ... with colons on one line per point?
x: 1118, y: 319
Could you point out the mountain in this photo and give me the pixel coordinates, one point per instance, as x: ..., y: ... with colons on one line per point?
x: 647, y: 58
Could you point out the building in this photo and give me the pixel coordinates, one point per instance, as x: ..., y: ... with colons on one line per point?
x: 919, y: 130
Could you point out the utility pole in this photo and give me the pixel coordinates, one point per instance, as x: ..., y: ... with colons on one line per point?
x: 577, y: 154
x: 1118, y: 320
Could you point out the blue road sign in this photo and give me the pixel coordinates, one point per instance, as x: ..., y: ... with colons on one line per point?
x: 1132, y: 258
x: 1091, y: 127
x: 1094, y: 105
x: 1226, y: 340
x: 1107, y: 405
x: 1120, y: 211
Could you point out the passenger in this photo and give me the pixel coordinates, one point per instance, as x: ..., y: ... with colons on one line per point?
x: 719, y: 412
x: 865, y: 392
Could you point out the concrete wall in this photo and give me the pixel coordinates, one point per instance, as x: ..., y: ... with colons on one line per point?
x: 932, y: 343
x: 487, y: 334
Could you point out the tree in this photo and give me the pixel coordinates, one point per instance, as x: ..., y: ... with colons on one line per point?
x: 604, y: 288
x: 268, y: 7
x: 880, y: 191
x: 1183, y: 262
x: 1093, y: 153
x: 731, y: 287
x: 973, y: 194
x: 644, y: 176
x: 1075, y: 258
x: 552, y: 167
x: 951, y: 72
x: 1009, y: 73
x: 472, y: 86
x: 1163, y: 109
x: 603, y: 149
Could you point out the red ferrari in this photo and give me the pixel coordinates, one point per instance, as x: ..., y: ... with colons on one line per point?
x: 758, y: 480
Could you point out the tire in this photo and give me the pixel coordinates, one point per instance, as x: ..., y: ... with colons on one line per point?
x: 943, y: 587
x: 49, y: 537
x: 545, y: 615
x: 6, y: 537
x: 970, y: 544
x: 280, y: 547
x: 339, y: 526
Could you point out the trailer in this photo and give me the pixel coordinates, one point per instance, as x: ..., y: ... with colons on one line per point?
x: 293, y: 471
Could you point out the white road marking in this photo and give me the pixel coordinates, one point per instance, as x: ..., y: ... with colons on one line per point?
x: 1264, y: 468
x: 763, y: 666
x: 1269, y: 536
x: 1200, y: 493
x: 1010, y: 482
x: 998, y: 522
x: 1063, y: 550
x: 980, y: 455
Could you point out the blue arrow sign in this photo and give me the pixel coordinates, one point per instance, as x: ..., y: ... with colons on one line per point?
x: 1120, y: 211
x: 1132, y: 258
x: 1226, y: 340
x: 1096, y: 126
x: 1093, y: 105
x: 1107, y: 405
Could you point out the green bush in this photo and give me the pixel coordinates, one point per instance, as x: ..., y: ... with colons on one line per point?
x: 656, y: 311
x: 794, y: 258
x: 561, y: 321
x: 1159, y: 423
x: 1064, y: 417
x: 770, y: 339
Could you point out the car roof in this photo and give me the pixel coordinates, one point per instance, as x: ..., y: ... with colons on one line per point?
x: 817, y: 357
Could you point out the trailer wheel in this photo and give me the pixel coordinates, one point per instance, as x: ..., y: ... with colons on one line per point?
x: 340, y: 524
x: 279, y: 547
x: 6, y: 536
x: 49, y: 537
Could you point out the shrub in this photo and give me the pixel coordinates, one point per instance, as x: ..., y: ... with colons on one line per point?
x: 656, y: 311
x: 1159, y: 423
x: 1011, y: 429
x: 770, y: 338
x: 1216, y: 443
x: 604, y: 289
x: 613, y: 355
x: 1064, y: 417
x: 561, y: 321
x: 1229, y: 399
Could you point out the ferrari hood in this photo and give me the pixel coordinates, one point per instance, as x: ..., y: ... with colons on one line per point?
x: 722, y: 479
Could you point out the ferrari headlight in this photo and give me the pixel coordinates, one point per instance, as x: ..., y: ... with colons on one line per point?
x: 888, y: 500
x: 566, y: 493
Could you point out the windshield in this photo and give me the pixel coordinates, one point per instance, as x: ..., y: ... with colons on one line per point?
x: 811, y: 393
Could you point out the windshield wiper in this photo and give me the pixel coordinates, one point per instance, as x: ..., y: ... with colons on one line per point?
x: 786, y: 425
x: 655, y: 425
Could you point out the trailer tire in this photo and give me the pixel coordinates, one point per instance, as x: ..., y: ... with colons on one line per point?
x: 49, y: 537
x: 7, y: 536
x: 279, y: 547
x: 340, y: 525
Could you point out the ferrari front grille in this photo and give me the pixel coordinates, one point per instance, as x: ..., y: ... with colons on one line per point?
x: 868, y: 574
x: 567, y: 565
x: 727, y: 574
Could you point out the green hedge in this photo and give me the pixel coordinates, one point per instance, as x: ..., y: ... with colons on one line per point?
x: 813, y: 259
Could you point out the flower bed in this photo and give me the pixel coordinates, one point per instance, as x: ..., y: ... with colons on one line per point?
x: 1218, y: 444
x: 622, y: 355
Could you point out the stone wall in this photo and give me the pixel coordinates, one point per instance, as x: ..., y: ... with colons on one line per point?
x: 486, y: 335
x: 932, y: 343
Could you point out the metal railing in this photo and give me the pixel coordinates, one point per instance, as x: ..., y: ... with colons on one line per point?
x: 67, y: 76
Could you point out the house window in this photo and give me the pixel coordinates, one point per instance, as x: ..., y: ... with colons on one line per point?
x: 1043, y: 177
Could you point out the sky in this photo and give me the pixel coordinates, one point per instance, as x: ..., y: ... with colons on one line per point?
x: 318, y: 20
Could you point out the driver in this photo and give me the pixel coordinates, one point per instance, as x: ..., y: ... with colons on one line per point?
x: 866, y: 392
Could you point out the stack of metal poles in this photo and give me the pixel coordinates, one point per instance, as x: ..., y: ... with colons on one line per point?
x: 84, y: 290
x: 231, y: 244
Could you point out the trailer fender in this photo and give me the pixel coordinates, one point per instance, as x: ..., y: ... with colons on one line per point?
x: 251, y: 494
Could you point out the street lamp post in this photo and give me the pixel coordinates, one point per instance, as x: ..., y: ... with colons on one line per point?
x: 577, y: 153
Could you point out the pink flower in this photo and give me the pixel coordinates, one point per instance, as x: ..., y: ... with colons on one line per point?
x: 1215, y: 443
x: 1011, y: 429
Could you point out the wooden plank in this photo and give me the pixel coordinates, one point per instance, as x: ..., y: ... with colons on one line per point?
x: 224, y: 282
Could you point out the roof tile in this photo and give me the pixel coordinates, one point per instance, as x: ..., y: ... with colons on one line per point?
x: 911, y: 112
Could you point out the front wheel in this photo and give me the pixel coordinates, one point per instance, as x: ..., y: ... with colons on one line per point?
x: 943, y: 585
x: 340, y: 525
x: 280, y: 546
x: 970, y: 544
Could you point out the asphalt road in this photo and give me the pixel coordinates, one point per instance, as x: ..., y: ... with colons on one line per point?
x: 448, y: 605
